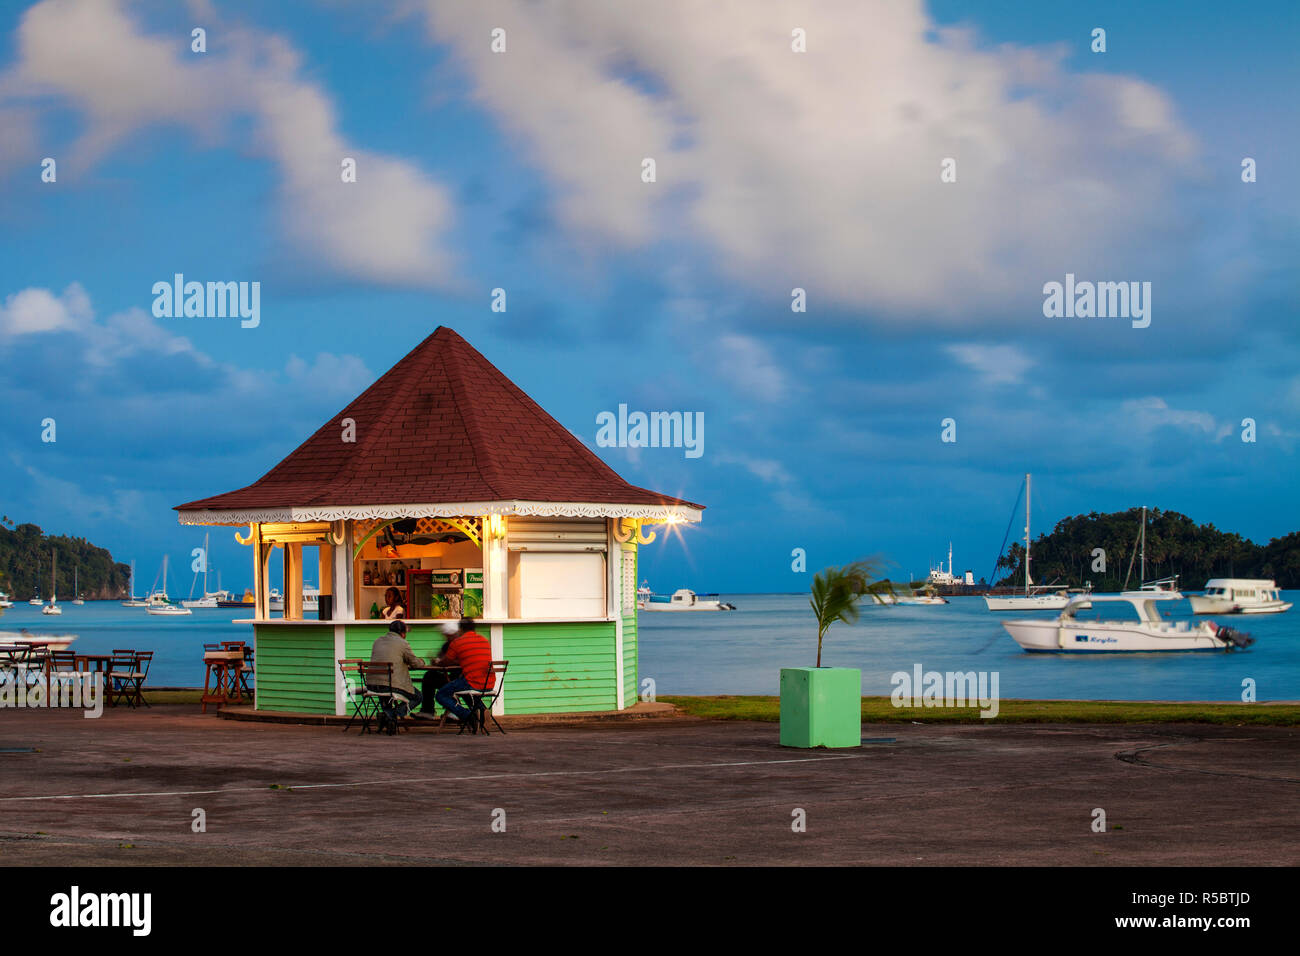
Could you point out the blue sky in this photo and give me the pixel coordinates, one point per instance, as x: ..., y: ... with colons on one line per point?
x: 775, y: 170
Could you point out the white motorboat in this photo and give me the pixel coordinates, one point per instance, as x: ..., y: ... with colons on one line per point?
x: 928, y: 596
x: 684, y: 599
x: 1145, y: 630
x: 51, y: 642
x: 4, y: 601
x: 921, y: 599
x: 1037, y: 597
x: 1240, y: 596
x: 35, y: 602
x: 310, y: 599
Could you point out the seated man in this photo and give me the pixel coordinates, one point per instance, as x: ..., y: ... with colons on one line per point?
x: 472, y: 653
x: 392, y: 648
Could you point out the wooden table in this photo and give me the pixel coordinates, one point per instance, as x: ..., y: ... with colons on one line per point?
x: 97, y: 663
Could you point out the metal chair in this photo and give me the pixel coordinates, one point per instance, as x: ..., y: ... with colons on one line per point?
x: 480, y: 701
x: 62, y: 666
x: 120, y: 679
x: 143, y: 661
x: 364, y: 704
x: 377, y: 678
x: 243, y: 671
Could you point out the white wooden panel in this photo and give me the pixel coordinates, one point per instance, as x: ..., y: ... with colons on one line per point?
x: 561, y: 585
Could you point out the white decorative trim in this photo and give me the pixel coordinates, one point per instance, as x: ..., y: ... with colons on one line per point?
x: 650, y: 514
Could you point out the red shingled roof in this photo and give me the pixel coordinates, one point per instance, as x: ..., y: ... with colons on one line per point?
x: 442, y: 425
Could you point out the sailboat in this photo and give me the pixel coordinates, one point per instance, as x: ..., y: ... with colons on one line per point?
x: 1163, y: 586
x: 53, y: 606
x: 76, y: 586
x: 35, y: 600
x: 133, y: 601
x: 158, y: 602
x: 210, y: 598
x: 1036, y: 597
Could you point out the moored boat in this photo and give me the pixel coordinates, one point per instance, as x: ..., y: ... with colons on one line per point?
x: 53, y: 606
x: 1036, y: 597
x: 50, y: 642
x: 684, y: 599
x: 1240, y: 596
x: 1068, y: 634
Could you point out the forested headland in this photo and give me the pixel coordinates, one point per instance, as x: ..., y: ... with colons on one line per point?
x: 25, y: 565
x: 1175, y: 544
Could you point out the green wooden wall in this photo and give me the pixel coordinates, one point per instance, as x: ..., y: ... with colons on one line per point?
x: 295, y: 669
x: 555, y: 668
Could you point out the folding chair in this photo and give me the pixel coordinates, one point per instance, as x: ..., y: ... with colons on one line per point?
x: 143, y: 661
x: 62, y: 666
x: 243, y: 671
x: 377, y: 679
x: 364, y: 705
x: 119, y: 680
x: 16, y: 664
x: 481, y: 701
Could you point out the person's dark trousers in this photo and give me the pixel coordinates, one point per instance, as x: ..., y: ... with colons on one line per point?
x: 432, y: 683
x: 447, y: 697
x: 410, y: 699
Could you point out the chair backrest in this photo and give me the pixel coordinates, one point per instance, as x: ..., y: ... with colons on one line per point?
x: 354, y: 679
x: 213, y: 647
x: 123, y: 650
x: 499, y: 672
x: 123, y: 663
x: 377, y: 673
x: 142, y: 661
x: 63, y: 660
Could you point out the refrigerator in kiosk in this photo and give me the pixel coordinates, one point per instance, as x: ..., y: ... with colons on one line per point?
x: 435, y: 593
x: 472, y: 596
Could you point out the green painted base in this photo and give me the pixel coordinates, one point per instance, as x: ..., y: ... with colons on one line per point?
x: 821, y: 707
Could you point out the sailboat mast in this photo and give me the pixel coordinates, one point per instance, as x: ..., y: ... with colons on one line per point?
x: 1027, y: 578
x: 1143, y: 576
x: 205, y: 563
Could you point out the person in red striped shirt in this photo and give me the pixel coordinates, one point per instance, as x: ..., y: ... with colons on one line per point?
x: 472, y: 653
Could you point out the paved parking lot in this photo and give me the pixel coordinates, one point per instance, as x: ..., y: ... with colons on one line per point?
x: 124, y: 789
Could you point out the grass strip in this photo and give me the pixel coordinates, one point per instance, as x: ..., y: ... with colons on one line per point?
x: 880, y: 710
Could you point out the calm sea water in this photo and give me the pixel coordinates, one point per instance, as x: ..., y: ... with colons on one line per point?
x: 742, y: 651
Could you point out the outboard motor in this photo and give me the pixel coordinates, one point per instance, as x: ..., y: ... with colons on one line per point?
x: 1234, y: 639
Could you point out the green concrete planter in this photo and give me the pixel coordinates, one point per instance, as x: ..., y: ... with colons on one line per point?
x: 821, y: 707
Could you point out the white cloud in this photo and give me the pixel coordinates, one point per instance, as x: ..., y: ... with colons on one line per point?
x: 746, y: 364
x: 821, y: 169
x: 343, y: 374
x: 33, y: 311
x: 996, y: 364
x: 389, y: 226
x: 1152, y: 412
